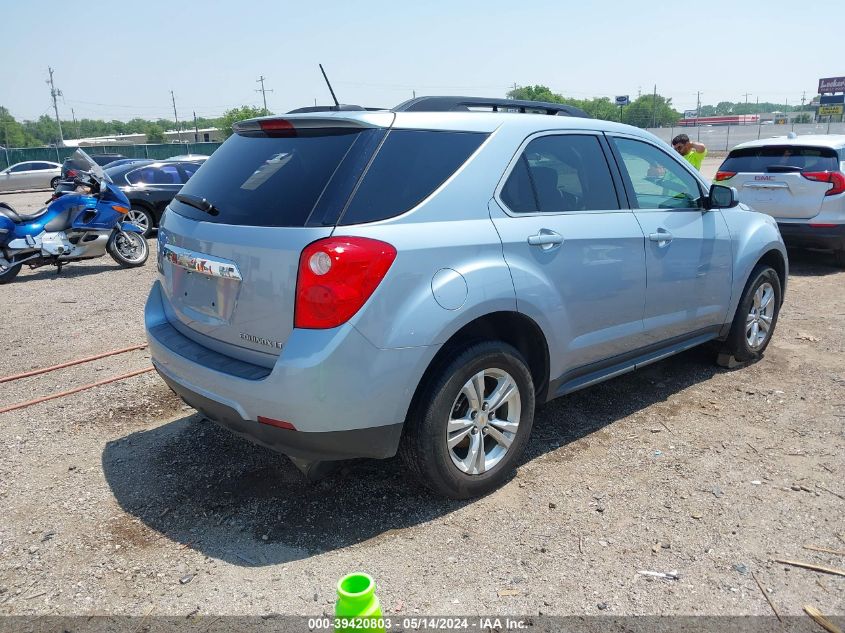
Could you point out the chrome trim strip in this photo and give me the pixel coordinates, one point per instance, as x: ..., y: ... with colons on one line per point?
x: 201, y: 263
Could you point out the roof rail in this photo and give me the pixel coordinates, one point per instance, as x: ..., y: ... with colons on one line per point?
x: 465, y: 104
x: 343, y: 107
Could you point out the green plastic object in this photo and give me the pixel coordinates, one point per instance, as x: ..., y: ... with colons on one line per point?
x: 358, y: 604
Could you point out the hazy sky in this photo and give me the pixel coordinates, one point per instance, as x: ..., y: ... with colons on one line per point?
x: 124, y: 63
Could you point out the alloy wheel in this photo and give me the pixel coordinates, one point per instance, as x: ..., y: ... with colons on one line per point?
x: 758, y: 323
x: 484, y: 421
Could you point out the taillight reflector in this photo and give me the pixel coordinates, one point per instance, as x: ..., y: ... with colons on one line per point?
x: 725, y: 175
x: 336, y: 277
x: 279, y: 424
x: 836, y: 178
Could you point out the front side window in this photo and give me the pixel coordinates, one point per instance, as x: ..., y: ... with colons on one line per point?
x: 659, y: 182
x: 561, y: 173
x: 21, y: 167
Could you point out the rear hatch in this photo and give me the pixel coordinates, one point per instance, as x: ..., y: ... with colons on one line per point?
x: 231, y: 241
x: 780, y: 180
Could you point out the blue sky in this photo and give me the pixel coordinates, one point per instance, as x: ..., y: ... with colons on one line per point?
x: 376, y: 53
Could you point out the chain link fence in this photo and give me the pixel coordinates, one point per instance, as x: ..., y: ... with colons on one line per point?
x: 160, y: 151
x: 723, y: 138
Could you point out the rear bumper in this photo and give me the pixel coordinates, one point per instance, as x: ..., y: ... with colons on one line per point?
x: 809, y: 236
x: 344, y: 396
x: 378, y: 442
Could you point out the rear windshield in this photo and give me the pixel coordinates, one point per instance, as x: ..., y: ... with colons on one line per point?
x: 307, y: 179
x: 259, y: 180
x: 781, y: 158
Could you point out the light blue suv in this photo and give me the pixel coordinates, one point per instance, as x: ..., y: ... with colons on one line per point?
x: 350, y: 283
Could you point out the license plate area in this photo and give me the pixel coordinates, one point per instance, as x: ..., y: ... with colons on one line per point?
x: 201, y: 287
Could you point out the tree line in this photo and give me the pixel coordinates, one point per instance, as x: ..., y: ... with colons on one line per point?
x: 648, y: 110
x: 45, y: 131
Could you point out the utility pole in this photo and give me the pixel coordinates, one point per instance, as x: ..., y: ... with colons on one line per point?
x: 698, y: 115
x: 55, y: 93
x: 196, y: 129
x: 746, y: 95
x: 759, y: 122
x: 654, y: 108
x: 263, y: 92
x: 75, y: 124
x: 176, y: 116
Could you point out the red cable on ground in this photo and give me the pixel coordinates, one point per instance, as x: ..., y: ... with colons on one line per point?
x: 21, y: 405
x: 36, y: 372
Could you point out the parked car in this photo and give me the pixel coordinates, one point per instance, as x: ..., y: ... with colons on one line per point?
x: 150, y: 186
x: 799, y: 181
x: 34, y: 174
x: 191, y: 157
x: 70, y: 168
x: 353, y: 284
x: 125, y: 161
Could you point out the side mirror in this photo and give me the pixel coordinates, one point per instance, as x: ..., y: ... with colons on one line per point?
x: 722, y: 197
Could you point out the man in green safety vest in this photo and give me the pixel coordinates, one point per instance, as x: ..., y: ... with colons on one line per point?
x: 694, y: 153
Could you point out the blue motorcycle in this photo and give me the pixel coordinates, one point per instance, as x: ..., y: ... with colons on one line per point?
x: 82, y: 224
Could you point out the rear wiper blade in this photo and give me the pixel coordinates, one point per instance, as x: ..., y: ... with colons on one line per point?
x: 198, y: 203
x: 783, y: 169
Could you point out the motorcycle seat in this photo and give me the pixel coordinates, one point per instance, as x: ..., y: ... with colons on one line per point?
x: 20, y: 218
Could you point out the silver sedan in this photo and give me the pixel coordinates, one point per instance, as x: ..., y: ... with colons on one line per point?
x: 35, y: 174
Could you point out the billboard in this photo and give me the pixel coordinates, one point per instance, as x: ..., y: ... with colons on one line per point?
x: 831, y: 99
x: 830, y: 110
x: 690, y: 114
x: 622, y: 100
x: 831, y: 84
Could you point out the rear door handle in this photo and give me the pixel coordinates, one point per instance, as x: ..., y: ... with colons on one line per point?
x: 545, y: 239
x: 661, y: 237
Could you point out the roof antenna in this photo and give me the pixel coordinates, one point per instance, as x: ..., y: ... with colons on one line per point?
x: 337, y: 105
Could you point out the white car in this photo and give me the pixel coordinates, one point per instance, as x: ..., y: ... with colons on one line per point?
x: 798, y: 180
x: 34, y: 174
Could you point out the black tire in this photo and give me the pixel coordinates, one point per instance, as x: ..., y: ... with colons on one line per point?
x: 141, y: 254
x: 839, y: 257
x: 423, y: 447
x: 8, y: 274
x: 737, y: 343
x: 150, y: 219
x: 55, y: 182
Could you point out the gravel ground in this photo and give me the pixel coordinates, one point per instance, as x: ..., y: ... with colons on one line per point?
x: 121, y: 500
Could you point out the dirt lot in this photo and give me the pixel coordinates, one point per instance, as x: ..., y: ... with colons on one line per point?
x: 121, y: 500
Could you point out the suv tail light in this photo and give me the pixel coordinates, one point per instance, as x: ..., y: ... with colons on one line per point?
x: 836, y: 178
x: 336, y: 277
x: 72, y: 173
x: 725, y: 175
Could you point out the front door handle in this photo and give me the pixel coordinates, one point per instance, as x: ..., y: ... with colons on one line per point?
x: 545, y: 239
x: 661, y: 237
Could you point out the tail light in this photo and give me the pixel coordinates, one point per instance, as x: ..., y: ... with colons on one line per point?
x: 72, y: 173
x: 836, y: 178
x: 725, y: 175
x: 336, y: 277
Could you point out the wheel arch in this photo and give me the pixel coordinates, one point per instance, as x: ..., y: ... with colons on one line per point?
x: 776, y: 260
x: 511, y: 327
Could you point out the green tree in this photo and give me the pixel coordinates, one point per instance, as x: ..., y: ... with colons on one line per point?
x: 12, y: 133
x: 650, y: 110
x: 154, y: 133
x: 230, y: 117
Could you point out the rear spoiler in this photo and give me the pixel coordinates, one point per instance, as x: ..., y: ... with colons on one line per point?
x: 326, y: 120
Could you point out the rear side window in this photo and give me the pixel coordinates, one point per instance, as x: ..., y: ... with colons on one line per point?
x: 164, y: 175
x: 781, y: 158
x: 259, y: 180
x: 410, y: 165
x: 561, y: 173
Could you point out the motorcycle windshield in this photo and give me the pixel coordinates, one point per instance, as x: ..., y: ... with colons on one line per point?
x: 85, y: 163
